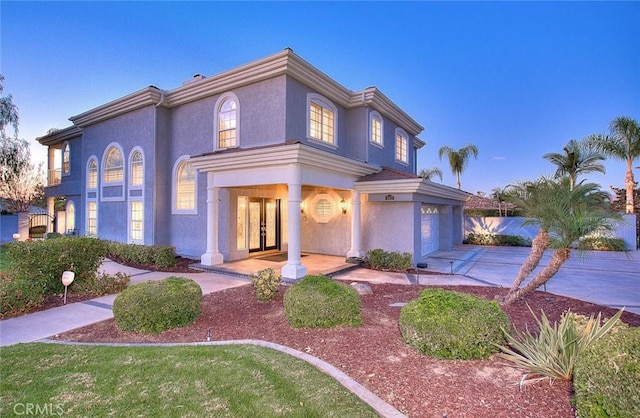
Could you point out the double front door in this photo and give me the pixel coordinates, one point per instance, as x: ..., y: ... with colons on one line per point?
x: 264, y: 224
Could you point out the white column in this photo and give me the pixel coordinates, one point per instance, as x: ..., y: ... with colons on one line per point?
x: 51, y: 211
x: 356, y: 233
x: 294, y: 269
x: 212, y: 256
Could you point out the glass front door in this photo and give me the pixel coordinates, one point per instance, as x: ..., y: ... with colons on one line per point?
x: 264, y: 224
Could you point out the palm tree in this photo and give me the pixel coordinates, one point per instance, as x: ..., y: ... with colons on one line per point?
x: 578, y: 158
x: 623, y: 143
x: 498, y: 194
x: 428, y: 173
x: 564, y: 215
x: 458, y: 160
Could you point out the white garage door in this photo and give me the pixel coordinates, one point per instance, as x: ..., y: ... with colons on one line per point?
x: 429, y: 229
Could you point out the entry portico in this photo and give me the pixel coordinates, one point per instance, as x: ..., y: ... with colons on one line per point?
x: 274, y: 171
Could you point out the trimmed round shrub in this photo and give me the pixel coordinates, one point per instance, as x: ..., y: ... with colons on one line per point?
x: 606, y: 377
x: 156, y: 306
x: 319, y: 302
x: 453, y: 325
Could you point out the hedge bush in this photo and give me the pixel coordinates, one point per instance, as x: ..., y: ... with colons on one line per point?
x: 388, y: 260
x: 497, y: 240
x: 319, y: 302
x: 607, y: 377
x: 42, y: 262
x: 452, y: 325
x: 159, y: 256
x: 156, y: 306
x: 601, y: 244
x: 18, y: 295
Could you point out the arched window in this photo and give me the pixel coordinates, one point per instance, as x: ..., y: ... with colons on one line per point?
x: 402, y: 146
x: 375, y: 129
x: 92, y: 174
x: 136, y: 168
x: 227, y: 122
x: 322, y: 119
x: 113, y: 165
x: 70, y: 212
x: 66, y: 158
x: 184, y: 186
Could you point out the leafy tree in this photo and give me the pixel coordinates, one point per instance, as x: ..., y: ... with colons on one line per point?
x: 458, y: 160
x: 618, y: 204
x: 20, y: 180
x: 429, y: 173
x: 564, y: 215
x: 578, y: 158
x: 498, y: 194
x: 623, y: 143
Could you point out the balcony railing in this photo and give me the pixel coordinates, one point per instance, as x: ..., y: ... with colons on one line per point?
x: 55, y: 177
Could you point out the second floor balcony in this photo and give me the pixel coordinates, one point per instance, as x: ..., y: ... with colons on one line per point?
x: 55, y: 177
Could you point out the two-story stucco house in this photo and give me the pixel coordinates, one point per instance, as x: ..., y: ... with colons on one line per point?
x: 272, y: 155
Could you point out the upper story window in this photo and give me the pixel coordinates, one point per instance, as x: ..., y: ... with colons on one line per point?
x: 136, y: 168
x: 184, y: 186
x: 66, y: 158
x: 92, y: 174
x: 402, y: 146
x: 375, y: 129
x: 226, y: 121
x: 113, y: 165
x: 322, y: 120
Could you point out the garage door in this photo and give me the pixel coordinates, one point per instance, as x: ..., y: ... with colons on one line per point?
x: 429, y: 229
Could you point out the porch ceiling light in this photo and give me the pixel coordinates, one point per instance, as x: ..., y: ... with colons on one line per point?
x: 343, y: 206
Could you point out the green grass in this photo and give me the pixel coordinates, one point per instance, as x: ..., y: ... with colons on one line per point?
x: 220, y: 381
x: 4, y: 260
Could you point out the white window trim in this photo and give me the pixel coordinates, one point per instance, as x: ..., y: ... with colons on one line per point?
x: 401, y: 132
x: 174, y: 190
x: 86, y: 217
x: 88, y: 170
x: 113, y: 183
x: 219, y: 102
x: 136, y: 186
x: 325, y: 103
x: 129, y: 219
x: 375, y: 115
x: 65, y: 144
x: 72, y: 205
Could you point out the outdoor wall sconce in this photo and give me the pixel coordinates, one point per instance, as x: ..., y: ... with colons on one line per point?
x: 302, y: 206
x: 343, y: 206
x: 67, y: 279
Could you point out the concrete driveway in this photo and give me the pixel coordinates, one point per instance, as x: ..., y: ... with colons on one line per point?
x: 603, y: 277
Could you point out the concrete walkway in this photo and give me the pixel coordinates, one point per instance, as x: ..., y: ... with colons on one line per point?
x: 603, y: 277
x: 43, y: 324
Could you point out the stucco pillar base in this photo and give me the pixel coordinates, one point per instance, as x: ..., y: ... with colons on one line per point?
x: 293, y: 272
x: 211, y: 259
x: 355, y: 254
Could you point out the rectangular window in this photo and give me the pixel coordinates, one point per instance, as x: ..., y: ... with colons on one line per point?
x: 92, y: 218
x: 137, y: 217
x: 376, y: 131
x: 321, y: 123
x: 227, y: 130
x: 401, y: 148
x: 93, y: 178
x: 243, y: 202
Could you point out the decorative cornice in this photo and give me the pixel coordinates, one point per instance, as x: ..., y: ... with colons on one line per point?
x: 285, y: 62
x: 59, y: 136
x: 417, y: 185
x: 139, y: 99
x: 281, y: 156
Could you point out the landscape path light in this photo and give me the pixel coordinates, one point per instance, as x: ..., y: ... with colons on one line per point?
x: 67, y: 279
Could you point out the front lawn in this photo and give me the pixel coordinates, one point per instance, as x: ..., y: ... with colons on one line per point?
x: 221, y: 381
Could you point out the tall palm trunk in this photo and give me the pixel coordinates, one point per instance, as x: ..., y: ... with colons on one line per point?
x: 629, y: 184
x: 539, y: 245
x: 558, y: 258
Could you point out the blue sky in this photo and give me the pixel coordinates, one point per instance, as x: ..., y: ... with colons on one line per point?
x: 517, y: 79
